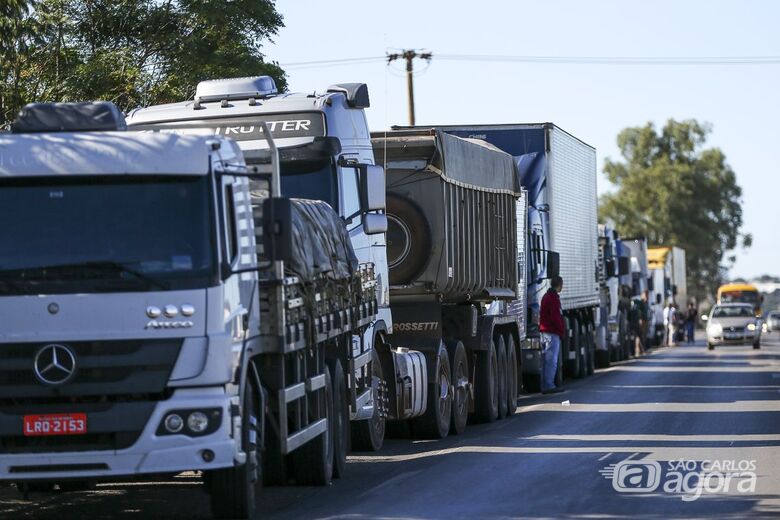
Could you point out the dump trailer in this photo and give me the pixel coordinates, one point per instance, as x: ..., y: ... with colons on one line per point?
x: 559, y: 173
x: 456, y: 256
x: 193, y: 318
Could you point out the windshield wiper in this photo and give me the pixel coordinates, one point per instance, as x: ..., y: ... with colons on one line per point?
x: 101, y: 265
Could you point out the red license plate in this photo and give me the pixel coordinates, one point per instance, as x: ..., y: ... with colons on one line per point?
x: 55, y: 424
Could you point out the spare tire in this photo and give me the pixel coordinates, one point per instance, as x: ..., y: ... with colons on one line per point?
x: 408, y: 239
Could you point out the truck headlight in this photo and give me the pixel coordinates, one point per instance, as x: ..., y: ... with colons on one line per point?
x: 751, y: 327
x: 197, y: 422
x: 174, y: 423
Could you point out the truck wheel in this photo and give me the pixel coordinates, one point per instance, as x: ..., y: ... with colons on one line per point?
x: 502, y: 369
x: 341, y: 419
x: 435, y: 422
x: 757, y: 345
x: 572, y: 354
x: 486, y: 385
x: 710, y: 346
x: 234, y: 491
x: 590, y: 349
x: 370, y: 435
x: 313, y: 462
x: 408, y: 239
x: 460, y: 387
x: 511, y: 375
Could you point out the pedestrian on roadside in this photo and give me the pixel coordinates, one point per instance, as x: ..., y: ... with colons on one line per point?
x: 635, y: 325
x: 669, y: 317
x: 553, y: 330
x: 690, y: 322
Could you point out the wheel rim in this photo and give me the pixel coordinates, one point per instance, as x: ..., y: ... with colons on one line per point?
x: 445, y: 401
x: 461, y: 389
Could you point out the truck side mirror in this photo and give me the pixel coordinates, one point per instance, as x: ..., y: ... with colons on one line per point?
x: 609, y: 267
x: 374, y: 223
x: 624, y: 265
x: 372, y: 188
x: 553, y: 264
x: 704, y: 317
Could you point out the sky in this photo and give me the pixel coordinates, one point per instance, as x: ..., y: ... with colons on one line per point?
x: 592, y: 101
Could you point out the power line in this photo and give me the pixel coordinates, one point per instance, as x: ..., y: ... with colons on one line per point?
x: 564, y: 60
x: 618, y: 60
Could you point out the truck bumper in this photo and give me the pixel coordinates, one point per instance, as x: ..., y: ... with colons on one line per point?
x: 150, y: 454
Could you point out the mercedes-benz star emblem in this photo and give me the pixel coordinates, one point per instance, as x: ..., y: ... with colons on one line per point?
x: 54, y: 364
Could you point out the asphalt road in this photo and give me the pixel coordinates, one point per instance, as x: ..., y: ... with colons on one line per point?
x: 662, y: 423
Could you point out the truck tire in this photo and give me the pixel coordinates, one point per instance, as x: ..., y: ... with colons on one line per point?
x: 590, y: 349
x: 513, y: 371
x: 313, y: 462
x: 234, y: 492
x: 502, y: 370
x: 757, y: 345
x: 435, y: 422
x: 370, y: 435
x: 572, y: 354
x: 486, y: 385
x: 341, y: 431
x: 460, y: 387
x: 408, y: 239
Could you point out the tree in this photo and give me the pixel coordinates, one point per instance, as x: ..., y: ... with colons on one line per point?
x: 132, y: 52
x: 676, y: 193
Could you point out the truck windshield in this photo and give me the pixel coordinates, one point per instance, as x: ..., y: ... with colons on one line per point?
x: 310, y: 180
x: 81, y: 234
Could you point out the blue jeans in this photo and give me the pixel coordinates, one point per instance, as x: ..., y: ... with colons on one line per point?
x: 551, y: 345
x: 690, y: 327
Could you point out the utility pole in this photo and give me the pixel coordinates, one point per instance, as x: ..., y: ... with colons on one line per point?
x: 409, y: 56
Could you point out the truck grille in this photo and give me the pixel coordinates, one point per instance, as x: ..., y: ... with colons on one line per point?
x: 113, y: 369
x: 116, y: 383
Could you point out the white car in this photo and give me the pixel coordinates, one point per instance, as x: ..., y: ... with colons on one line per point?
x: 733, y: 324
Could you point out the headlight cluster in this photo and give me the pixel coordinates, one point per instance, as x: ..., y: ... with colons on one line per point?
x: 193, y: 422
x: 751, y: 327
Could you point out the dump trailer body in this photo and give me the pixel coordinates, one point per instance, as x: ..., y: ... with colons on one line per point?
x: 466, y: 194
x: 456, y: 252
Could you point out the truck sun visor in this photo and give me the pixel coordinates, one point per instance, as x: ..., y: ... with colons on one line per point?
x: 96, y: 116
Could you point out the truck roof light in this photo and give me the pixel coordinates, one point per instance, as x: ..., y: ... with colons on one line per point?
x: 98, y: 116
x: 235, y: 88
x: 356, y: 93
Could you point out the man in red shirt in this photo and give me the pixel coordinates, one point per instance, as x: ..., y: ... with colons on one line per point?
x: 553, y: 330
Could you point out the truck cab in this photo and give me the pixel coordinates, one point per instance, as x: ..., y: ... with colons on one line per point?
x: 324, y: 154
x: 110, y: 362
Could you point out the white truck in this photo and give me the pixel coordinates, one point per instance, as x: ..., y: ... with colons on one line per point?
x: 166, y: 310
x: 668, y: 272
